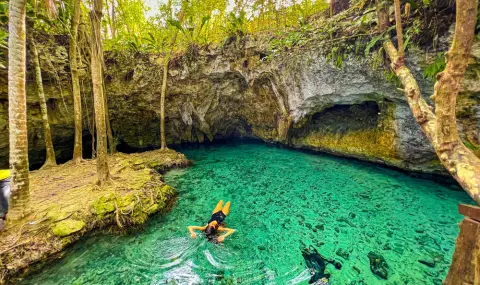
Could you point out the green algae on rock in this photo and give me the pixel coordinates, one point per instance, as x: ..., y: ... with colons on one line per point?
x: 104, y: 205
x: 67, y: 227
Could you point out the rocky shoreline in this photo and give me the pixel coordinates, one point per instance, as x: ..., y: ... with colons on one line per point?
x: 66, y: 204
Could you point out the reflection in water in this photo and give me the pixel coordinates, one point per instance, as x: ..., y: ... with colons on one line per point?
x: 282, y: 203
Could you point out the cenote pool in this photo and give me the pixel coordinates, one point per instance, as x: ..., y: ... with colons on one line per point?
x: 283, y: 201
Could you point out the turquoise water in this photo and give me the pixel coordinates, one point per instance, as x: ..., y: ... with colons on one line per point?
x: 283, y: 201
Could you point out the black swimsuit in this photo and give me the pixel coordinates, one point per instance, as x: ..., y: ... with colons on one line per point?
x: 211, y: 231
x: 219, y: 217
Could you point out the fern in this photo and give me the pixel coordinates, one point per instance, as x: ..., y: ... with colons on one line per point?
x: 372, y: 43
x: 436, y: 67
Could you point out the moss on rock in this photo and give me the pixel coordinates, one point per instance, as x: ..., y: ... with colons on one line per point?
x: 104, y: 205
x: 68, y: 203
x: 67, y: 227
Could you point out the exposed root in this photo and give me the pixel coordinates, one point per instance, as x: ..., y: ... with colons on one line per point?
x: 117, y: 214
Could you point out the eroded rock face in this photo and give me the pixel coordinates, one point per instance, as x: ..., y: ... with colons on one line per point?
x: 299, y: 98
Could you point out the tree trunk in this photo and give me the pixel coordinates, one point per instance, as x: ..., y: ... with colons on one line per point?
x: 441, y: 128
x: 77, y: 100
x: 113, y: 22
x: 50, y: 159
x: 112, y: 146
x: 382, y: 15
x: 332, y: 8
x: 97, y: 84
x: 460, y: 161
x: 465, y: 268
x: 17, y: 108
x: 163, y: 142
x: 398, y: 21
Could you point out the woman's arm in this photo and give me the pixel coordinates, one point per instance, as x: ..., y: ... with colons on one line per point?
x: 192, y: 229
x: 228, y: 232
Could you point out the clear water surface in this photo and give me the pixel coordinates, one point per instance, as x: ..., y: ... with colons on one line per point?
x: 282, y: 202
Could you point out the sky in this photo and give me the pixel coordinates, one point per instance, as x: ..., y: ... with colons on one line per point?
x: 155, y: 4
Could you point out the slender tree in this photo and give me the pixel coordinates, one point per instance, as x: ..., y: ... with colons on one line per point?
x: 50, y: 159
x: 441, y: 127
x: 111, y: 141
x: 77, y: 100
x: 398, y: 25
x: 163, y: 142
x: 98, y: 96
x: 17, y: 108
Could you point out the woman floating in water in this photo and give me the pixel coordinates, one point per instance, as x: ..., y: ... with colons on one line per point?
x: 215, y: 224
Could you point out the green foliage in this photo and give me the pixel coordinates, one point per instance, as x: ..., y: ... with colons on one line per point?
x: 378, y: 58
x: 236, y: 24
x: 175, y: 23
x: 411, y: 32
x: 205, y: 22
x: 3, y: 33
x: 478, y: 25
x: 3, y: 47
x: 3, y: 12
x: 471, y: 146
x: 372, y: 43
x: 288, y: 40
x: 392, y: 77
x: 437, y: 66
x: 337, y: 56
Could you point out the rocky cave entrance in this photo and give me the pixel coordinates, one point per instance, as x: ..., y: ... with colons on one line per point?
x: 341, y: 119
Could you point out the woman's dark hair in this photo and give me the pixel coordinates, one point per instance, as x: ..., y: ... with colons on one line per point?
x: 210, y: 232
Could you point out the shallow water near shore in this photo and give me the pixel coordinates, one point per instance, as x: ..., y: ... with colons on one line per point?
x: 283, y: 201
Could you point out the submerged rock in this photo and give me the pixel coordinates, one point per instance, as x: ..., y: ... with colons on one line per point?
x: 428, y: 262
x: 342, y: 253
x: 378, y: 265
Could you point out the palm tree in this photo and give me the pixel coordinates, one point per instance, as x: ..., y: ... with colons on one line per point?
x: 50, y: 159
x: 77, y: 100
x: 17, y: 108
x: 98, y: 96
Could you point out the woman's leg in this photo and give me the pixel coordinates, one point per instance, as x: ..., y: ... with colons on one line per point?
x: 218, y: 207
x: 226, y: 208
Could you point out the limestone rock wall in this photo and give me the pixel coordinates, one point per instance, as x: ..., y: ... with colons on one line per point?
x: 298, y: 98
